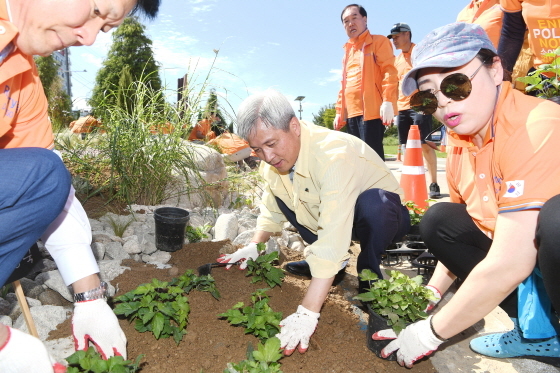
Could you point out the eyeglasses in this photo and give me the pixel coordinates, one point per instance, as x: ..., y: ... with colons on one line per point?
x: 456, y: 86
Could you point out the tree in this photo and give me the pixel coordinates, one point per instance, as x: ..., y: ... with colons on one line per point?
x: 59, y: 102
x: 48, y: 68
x: 325, y: 116
x: 132, y: 48
x: 213, y: 107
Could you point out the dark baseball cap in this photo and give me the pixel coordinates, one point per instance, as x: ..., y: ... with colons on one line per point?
x: 397, y: 28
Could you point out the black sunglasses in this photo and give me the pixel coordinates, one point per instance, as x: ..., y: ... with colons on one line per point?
x: 456, y: 86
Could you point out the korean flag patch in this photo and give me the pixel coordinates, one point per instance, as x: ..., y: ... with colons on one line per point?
x: 514, y: 188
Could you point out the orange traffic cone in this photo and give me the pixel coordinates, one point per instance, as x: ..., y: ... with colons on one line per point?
x: 413, y: 178
x: 399, y: 153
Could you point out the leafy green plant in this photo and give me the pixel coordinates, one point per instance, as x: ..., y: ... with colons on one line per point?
x: 90, y: 361
x: 259, y: 319
x: 263, y: 360
x: 156, y: 307
x: 416, y: 213
x: 399, y: 298
x: 262, y: 268
x: 544, y: 80
x: 189, y: 281
x: 198, y: 233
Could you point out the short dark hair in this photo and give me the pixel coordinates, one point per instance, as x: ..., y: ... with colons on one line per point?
x: 361, y: 9
x: 149, y: 8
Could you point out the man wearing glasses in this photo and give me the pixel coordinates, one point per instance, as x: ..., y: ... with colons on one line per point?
x: 401, y: 35
x: 368, y: 96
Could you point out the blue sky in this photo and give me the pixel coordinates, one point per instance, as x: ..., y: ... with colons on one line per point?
x: 294, y: 46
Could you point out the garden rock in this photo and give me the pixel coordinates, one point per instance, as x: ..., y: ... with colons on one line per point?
x: 6, y: 320
x: 51, y: 298
x: 46, y: 319
x: 98, y: 250
x: 101, y: 237
x: 109, y: 269
x: 5, y: 307
x: 95, y: 225
x: 60, y: 348
x: 114, y: 250
x: 53, y: 280
x: 159, y: 259
x: 226, y: 227
x: 131, y: 245
x: 208, y: 166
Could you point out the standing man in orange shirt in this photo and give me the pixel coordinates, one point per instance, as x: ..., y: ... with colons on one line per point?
x: 487, y: 14
x: 203, y: 129
x: 368, y: 95
x: 401, y: 36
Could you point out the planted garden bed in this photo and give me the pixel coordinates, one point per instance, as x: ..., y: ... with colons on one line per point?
x: 338, y: 345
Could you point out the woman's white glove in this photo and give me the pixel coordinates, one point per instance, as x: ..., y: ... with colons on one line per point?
x: 23, y: 353
x: 242, y: 255
x: 413, y: 343
x: 433, y: 302
x: 95, y: 321
x: 387, y: 112
x: 296, y: 329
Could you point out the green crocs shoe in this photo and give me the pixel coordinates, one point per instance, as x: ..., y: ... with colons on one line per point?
x: 512, y: 344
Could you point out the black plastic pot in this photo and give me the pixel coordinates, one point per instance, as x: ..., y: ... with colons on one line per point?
x: 375, y: 324
x: 170, y: 227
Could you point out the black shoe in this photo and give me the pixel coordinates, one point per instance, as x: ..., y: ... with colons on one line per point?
x: 434, y: 191
x: 300, y: 268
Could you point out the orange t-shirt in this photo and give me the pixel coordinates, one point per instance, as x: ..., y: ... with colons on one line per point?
x: 353, y: 91
x: 229, y: 143
x: 24, y: 119
x: 543, y: 22
x: 204, y: 127
x: 487, y: 14
x: 516, y: 169
x: 403, y: 64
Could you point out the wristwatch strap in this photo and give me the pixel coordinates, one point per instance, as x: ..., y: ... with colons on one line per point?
x: 97, y: 293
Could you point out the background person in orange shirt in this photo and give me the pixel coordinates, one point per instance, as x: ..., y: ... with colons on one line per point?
x: 541, y: 18
x: 502, y: 222
x: 203, y: 129
x: 401, y: 36
x: 368, y: 97
x: 39, y: 27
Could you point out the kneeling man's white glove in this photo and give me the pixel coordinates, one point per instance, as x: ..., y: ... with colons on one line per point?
x: 242, y: 255
x: 296, y: 329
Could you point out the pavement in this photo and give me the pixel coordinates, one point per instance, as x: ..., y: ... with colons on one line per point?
x: 455, y: 355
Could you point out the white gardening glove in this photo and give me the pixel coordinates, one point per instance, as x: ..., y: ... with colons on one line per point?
x: 23, y: 353
x: 337, y: 124
x: 95, y: 321
x: 433, y: 302
x: 296, y: 329
x: 412, y: 344
x: 242, y: 255
x: 387, y: 112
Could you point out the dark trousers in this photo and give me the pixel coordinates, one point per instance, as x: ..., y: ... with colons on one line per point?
x: 379, y: 220
x: 370, y: 131
x: 451, y: 235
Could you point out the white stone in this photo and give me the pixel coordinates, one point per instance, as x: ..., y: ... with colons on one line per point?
x: 131, y: 245
x: 226, y: 227
x: 46, y: 319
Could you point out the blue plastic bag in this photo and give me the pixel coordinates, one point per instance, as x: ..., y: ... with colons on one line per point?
x: 534, y: 308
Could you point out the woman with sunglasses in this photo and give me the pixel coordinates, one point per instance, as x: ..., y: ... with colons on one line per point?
x: 504, y: 218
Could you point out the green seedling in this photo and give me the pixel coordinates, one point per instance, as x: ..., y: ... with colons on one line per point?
x: 263, y: 360
x: 90, y: 361
x: 197, y: 234
x: 259, y: 320
x: 399, y: 298
x: 189, y: 281
x: 156, y: 307
x: 263, y: 269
